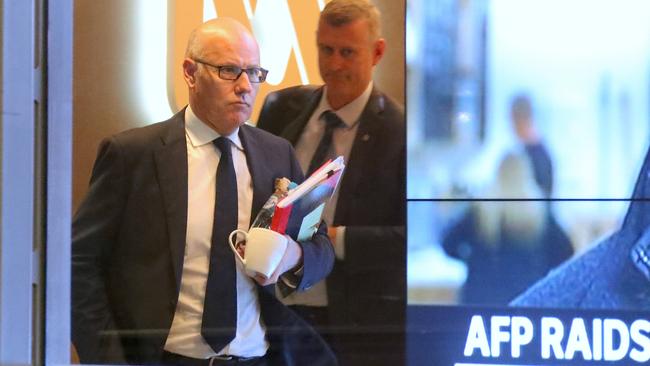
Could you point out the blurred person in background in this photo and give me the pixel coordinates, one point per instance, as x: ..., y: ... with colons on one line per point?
x: 523, y: 121
x: 507, y: 245
x: 613, y: 274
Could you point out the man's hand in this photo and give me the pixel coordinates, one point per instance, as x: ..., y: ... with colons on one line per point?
x: 291, y: 258
x: 241, y: 248
x: 331, y: 232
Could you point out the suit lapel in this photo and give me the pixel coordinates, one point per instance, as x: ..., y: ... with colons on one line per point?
x: 294, y: 129
x: 258, y: 168
x: 171, y: 168
x: 363, y: 146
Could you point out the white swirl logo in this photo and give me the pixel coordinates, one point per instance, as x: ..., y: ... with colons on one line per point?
x: 285, y: 30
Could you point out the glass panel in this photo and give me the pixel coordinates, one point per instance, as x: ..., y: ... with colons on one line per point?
x: 528, y: 212
x: 125, y: 296
x: 575, y: 98
x: 488, y: 252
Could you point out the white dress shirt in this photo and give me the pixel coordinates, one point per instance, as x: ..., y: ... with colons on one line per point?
x: 185, y: 334
x: 342, y: 140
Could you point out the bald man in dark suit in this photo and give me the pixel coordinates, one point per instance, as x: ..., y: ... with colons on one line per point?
x: 153, y: 279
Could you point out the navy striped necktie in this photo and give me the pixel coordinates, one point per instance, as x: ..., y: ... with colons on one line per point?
x: 332, y: 122
x: 220, y: 305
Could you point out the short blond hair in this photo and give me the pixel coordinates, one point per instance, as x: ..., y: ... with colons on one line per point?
x: 194, y: 48
x: 341, y: 12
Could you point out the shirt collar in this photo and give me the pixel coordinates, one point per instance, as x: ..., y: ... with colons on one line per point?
x: 350, y: 112
x: 200, y: 133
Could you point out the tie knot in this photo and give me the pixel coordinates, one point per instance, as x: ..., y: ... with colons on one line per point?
x: 332, y: 121
x: 223, y: 144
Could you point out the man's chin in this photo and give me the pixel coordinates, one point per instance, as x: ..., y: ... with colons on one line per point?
x: 341, y: 87
x: 240, y: 112
x: 229, y: 125
x: 338, y: 82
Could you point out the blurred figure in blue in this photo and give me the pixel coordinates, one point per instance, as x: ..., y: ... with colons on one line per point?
x: 522, y: 116
x: 614, y: 274
x: 507, y: 245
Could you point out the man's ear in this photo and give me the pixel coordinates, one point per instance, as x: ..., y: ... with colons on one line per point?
x: 189, y: 72
x: 378, y: 51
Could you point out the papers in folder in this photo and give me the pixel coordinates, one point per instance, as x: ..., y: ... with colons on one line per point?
x: 299, y: 213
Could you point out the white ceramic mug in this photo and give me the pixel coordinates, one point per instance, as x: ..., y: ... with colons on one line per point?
x: 264, y: 250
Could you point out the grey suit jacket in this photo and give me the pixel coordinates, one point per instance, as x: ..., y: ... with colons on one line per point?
x: 128, y: 242
x: 368, y: 288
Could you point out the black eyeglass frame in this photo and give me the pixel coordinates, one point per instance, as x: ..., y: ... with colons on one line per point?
x: 261, y: 72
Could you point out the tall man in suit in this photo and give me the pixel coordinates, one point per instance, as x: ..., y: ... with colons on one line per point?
x: 153, y: 279
x: 361, y: 305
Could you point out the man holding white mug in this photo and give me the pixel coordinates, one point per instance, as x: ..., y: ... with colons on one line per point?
x: 153, y: 278
x: 260, y: 252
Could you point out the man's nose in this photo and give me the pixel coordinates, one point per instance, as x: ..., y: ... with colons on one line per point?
x: 335, y: 61
x: 243, y: 84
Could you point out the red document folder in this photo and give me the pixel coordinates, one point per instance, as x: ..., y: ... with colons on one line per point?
x: 300, y: 212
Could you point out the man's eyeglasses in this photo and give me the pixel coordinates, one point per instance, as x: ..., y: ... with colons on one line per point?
x: 231, y: 72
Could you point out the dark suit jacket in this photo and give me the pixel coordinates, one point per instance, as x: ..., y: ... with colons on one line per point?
x: 128, y: 240
x: 367, y: 291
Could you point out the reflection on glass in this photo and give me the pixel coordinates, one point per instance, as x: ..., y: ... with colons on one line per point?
x: 488, y: 252
x: 545, y: 79
x: 614, y: 274
x: 587, y: 86
x: 506, y: 245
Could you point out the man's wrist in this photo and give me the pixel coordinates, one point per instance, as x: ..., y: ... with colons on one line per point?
x: 339, y: 247
x: 290, y: 280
